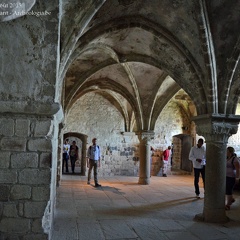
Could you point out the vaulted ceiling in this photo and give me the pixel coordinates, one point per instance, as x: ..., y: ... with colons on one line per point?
x: 139, y: 54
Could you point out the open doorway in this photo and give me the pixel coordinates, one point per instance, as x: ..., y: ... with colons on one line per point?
x: 182, y: 145
x: 81, y: 142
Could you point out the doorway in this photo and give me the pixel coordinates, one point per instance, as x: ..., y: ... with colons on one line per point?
x: 182, y: 145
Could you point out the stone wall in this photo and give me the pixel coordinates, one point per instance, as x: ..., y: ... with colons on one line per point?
x: 25, y: 174
x: 169, y: 123
x: 28, y: 60
x: 95, y: 116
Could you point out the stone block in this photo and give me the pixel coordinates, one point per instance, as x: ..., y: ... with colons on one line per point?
x: 20, y: 192
x: 35, y: 237
x: 41, y: 193
x: 8, y: 176
x: 4, y: 159
x: 4, y: 193
x: 15, y: 225
x: 10, y: 236
x: 24, y: 160
x: 13, y: 144
x: 1, y: 208
x: 6, y: 127
x: 34, y: 209
x: 41, y: 144
x: 37, y: 225
x: 10, y: 210
x: 34, y: 176
x: 45, y: 160
x: 42, y: 128
x: 20, y: 209
x: 22, y: 128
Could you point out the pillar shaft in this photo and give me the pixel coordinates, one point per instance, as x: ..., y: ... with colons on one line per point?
x: 216, y: 130
x: 84, y: 157
x: 144, y: 156
x: 215, y: 182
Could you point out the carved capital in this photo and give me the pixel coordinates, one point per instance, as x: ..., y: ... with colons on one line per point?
x: 217, y: 127
x: 146, y: 136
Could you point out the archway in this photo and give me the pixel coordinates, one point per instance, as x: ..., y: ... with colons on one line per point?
x: 182, y: 145
x: 83, y: 139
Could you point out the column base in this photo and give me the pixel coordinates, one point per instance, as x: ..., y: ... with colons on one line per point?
x: 144, y: 181
x: 212, y: 217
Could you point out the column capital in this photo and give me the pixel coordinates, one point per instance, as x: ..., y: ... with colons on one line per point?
x: 145, y: 135
x: 217, y: 126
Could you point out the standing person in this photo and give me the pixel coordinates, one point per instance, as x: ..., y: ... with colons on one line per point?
x: 198, y: 157
x: 66, y: 148
x: 232, y: 173
x: 93, y: 155
x: 165, y: 157
x: 152, y: 150
x: 73, y: 155
x: 172, y: 154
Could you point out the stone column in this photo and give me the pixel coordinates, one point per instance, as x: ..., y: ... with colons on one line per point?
x: 84, y: 156
x: 59, y: 159
x: 216, y: 130
x: 144, y: 155
x: 28, y: 169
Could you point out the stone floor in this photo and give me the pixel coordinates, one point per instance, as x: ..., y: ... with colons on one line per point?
x: 122, y: 209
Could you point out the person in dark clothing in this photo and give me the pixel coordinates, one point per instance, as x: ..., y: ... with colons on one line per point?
x: 73, y: 155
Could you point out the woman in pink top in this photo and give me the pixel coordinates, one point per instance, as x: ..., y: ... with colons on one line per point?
x: 232, y: 172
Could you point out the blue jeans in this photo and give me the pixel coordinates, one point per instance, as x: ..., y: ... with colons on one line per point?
x: 65, y: 161
x: 196, y: 178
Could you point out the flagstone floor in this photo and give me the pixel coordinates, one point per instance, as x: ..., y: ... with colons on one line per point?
x: 124, y: 210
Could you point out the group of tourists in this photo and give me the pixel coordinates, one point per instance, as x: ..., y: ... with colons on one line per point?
x: 69, y: 152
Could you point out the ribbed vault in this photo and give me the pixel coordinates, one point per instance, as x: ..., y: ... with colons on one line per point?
x: 139, y: 52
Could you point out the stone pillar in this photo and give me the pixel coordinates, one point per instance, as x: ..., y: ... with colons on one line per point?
x: 59, y: 158
x: 216, y: 130
x: 28, y: 160
x: 144, y: 156
x: 84, y: 156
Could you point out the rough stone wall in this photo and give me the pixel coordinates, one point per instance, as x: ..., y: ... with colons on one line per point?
x: 25, y: 173
x: 156, y: 164
x: 95, y: 116
x: 168, y: 124
x: 28, y: 60
x: 28, y: 55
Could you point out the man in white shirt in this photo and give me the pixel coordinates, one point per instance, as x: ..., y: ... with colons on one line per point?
x: 66, y: 148
x: 198, y: 157
x: 94, y: 155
